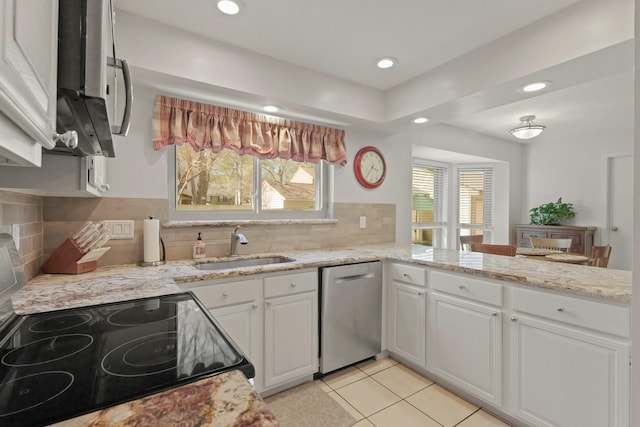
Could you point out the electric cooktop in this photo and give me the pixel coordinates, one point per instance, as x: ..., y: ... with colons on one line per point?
x: 58, y: 365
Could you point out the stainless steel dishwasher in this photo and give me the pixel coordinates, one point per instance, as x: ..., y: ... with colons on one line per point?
x: 350, y: 314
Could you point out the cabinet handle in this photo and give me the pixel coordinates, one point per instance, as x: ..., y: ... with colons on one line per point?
x: 225, y: 295
x: 494, y: 314
x: 560, y: 309
x: 69, y: 138
x: 254, y: 306
x: 293, y: 285
x: 514, y: 319
x: 405, y: 275
x: 268, y: 304
x: 461, y: 287
x: 420, y: 293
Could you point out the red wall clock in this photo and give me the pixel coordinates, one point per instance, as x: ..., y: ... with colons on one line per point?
x: 369, y: 167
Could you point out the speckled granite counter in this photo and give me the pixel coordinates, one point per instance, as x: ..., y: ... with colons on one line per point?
x: 113, y: 283
x: 224, y: 400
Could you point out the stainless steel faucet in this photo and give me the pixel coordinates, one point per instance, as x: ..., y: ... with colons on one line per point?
x: 235, y: 239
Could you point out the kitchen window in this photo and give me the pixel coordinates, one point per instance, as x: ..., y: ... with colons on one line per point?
x: 429, y: 208
x: 227, y: 185
x: 475, y: 201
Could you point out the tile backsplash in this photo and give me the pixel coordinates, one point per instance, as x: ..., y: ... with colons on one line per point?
x: 25, y: 212
x: 63, y: 216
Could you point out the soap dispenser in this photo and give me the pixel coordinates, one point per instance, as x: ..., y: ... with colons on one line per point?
x: 199, y: 248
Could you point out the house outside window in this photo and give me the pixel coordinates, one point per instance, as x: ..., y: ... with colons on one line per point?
x: 227, y: 185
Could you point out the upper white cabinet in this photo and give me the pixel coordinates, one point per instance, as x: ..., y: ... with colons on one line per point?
x: 28, y: 68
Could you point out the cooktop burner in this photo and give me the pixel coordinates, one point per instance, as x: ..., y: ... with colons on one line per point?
x: 28, y: 392
x: 47, y: 350
x: 55, y: 366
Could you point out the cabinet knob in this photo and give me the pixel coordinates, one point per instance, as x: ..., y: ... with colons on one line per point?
x: 293, y: 285
x: 560, y: 309
x: 461, y: 287
x: 514, y: 319
x: 225, y: 295
x: 268, y: 304
x: 254, y: 306
x: 420, y: 293
x: 405, y: 275
x: 69, y: 138
x: 494, y: 314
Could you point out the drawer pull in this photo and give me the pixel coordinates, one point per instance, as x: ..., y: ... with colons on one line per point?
x: 405, y: 275
x: 494, y: 314
x: 254, y: 306
x: 560, y: 309
x: 420, y: 293
x: 514, y: 319
x: 268, y: 304
x: 461, y: 287
x: 293, y: 285
x: 225, y: 295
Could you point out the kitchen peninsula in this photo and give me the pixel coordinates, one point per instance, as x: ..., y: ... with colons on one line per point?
x: 516, y: 298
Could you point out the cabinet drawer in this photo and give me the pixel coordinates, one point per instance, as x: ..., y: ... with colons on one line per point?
x: 213, y: 296
x: 588, y: 314
x: 409, y: 274
x: 290, y: 284
x: 473, y: 289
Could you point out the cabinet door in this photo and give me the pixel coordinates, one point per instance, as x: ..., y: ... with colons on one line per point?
x: 467, y: 346
x: 290, y: 337
x: 242, y: 323
x: 28, y: 68
x: 577, y: 245
x: 565, y: 377
x: 525, y: 235
x: 408, y: 324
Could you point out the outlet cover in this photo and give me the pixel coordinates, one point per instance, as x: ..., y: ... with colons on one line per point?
x: 120, y: 229
x: 363, y: 222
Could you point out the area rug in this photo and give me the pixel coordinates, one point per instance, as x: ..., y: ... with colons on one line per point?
x: 308, y: 406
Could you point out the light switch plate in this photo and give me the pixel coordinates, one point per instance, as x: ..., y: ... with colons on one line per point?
x: 120, y: 229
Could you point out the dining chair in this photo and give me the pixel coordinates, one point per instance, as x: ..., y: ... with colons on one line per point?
x: 465, y: 241
x: 487, y: 248
x: 544, y: 243
x: 600, y: 256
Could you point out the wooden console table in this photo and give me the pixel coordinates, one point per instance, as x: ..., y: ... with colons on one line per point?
x: 582, y: 236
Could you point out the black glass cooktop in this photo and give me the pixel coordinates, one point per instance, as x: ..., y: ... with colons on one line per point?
x: 58, y: 365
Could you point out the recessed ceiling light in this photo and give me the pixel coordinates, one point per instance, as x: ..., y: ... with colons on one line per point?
x: 420, y: 120
x: 534, y: 87
x: 271, y: 108
x: 229, y: 7
x: 386, y: 62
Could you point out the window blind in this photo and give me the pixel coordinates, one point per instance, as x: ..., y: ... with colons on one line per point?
x: 475, y: 197
x: 429, y: 194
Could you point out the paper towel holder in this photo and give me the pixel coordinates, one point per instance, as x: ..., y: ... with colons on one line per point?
x: 156, y: 263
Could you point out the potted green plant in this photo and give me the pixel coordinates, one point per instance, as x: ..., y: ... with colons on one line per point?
x: 551, y: 213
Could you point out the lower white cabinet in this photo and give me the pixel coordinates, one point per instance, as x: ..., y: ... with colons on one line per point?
x: 273, y: 319
x: 407, y: 334
x: 564, y: 376
x: 467, y: 345
x: 290, y: 337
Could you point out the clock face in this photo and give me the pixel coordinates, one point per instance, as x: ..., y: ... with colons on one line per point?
x: 369, y: 167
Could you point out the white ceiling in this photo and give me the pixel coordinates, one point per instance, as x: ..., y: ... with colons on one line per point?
x: 343, y: 38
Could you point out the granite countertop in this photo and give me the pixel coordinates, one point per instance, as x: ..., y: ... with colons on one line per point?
x: 227, y: 399
x: 48, y: 292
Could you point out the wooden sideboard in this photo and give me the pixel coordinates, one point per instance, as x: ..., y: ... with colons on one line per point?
x: 582, y: 236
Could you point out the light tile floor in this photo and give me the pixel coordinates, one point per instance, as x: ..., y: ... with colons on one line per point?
x: 384, y: 393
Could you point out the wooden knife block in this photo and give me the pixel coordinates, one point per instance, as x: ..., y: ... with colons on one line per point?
x: 65, y: 260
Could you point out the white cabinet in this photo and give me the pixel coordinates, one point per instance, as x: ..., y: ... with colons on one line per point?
x: 407, y: 332
x: 566, y: 371
x: 28, y: 69
x: 290, y: 327
x: 272, y: 318
x: 467, y: 345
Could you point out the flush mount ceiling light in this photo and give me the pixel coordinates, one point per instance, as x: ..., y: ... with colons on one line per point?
x: 271, y: 108
x: 527, y: 129
x: 420, y: 120
x: 535, y: 87
x: 229, y: 7
x: 386, y: 62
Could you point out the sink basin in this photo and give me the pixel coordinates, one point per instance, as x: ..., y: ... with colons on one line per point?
x: 246, y: 262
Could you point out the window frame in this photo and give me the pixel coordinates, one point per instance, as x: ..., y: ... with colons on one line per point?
x: 323, y: 202
x: 441, y: 228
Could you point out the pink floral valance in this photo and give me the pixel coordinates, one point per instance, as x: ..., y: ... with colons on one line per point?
x: 210, y: 127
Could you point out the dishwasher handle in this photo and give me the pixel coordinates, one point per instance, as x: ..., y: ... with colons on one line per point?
x: 339, y: 280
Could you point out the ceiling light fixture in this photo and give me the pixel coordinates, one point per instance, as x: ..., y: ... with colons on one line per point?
x: 271, y: 108
x: 386, y: 62
x: 527, y: 129
x: 535, y: 87
x: 420, y: 120
x: 229, y: 7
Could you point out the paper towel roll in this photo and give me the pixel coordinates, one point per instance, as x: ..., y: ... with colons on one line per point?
x: 151, y: 240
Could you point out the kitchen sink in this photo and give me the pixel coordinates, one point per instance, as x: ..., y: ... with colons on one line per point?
x: 244, y: 262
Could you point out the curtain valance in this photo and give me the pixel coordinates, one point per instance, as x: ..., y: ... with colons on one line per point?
x: 210, y: 127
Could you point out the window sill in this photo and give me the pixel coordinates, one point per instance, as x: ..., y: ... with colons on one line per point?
x: 231, y: 223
